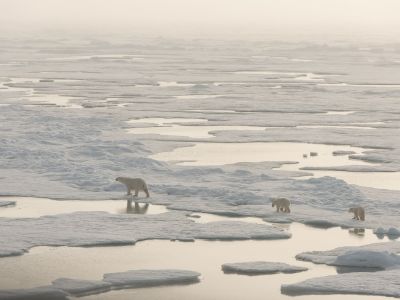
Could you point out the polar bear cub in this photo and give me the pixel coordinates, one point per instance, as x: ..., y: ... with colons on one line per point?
x: 282, y: 204
x: 136, y: 184
x: 359, y: 213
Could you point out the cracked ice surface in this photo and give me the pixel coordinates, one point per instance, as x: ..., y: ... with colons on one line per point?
x: 98, y: 228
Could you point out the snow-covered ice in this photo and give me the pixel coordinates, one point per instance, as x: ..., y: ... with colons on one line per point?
x: 260, y: 267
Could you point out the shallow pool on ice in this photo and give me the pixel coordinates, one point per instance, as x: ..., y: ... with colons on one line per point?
x: 194, y: 131
x: 230, y: 153
x: 31, y: 207
x: 299, y: 154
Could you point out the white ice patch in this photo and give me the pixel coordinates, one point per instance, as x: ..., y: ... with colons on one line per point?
x: 260, y: 267
x: 383, y: 283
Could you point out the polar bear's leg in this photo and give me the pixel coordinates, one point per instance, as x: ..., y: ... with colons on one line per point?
x: 136, y: 192
x: 146, y: 191
x: 287, y: 209
x: 128, y: 191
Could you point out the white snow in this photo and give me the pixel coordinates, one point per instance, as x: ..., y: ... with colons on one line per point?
x: 260, y: 267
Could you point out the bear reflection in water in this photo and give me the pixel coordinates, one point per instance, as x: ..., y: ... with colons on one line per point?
x: 136, y: 208
x: 357, y: 232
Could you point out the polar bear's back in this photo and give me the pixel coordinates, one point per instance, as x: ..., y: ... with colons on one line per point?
x: 133, y: 183
x: 282, y: 202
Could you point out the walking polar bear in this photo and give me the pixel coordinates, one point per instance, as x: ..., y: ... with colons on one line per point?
x: 136, y: 184
x: 359, y: 213
x: 282, y: 204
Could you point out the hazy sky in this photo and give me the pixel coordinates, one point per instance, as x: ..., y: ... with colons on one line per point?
x: 207, y: 17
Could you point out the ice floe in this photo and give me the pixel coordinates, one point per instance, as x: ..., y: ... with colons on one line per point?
x: 99, y: 228
x: 40, y: 293
x: 260, y: 267
x: 383, y: 283
x: 146, y: 278
x: 62, y: 288
x: 367, y: 259
x: 80, y: 287
x: 377, y: 255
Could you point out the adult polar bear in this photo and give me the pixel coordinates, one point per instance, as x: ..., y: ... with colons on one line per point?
x: 136, y: 184
x: 282, y: 204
